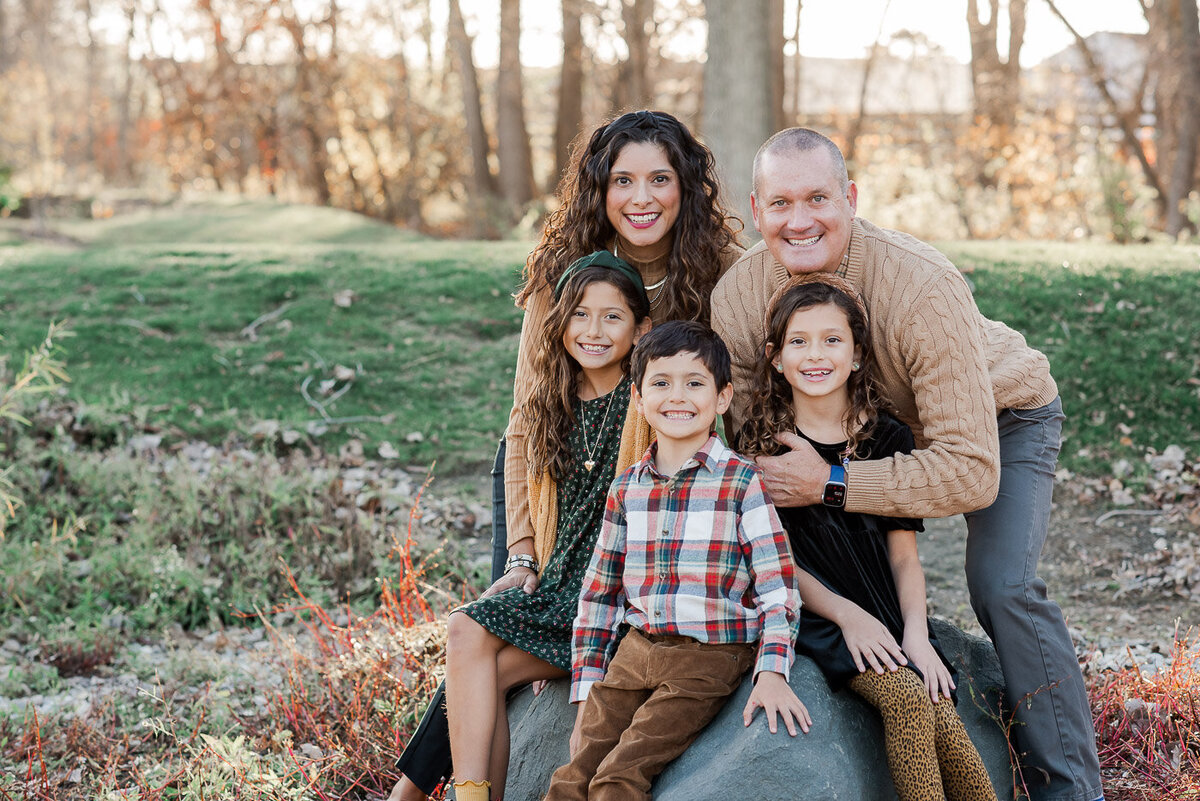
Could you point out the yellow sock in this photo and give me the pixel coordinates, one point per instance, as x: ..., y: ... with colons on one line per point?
x: 471, y: 791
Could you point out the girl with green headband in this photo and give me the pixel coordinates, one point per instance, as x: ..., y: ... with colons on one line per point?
x: 583, y: 431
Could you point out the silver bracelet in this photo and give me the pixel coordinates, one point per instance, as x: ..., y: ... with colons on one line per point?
x: 520, y: 560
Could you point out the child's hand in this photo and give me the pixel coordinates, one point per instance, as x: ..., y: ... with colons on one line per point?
x: 517, y: 577
x: 576, y: 741
x: 772, y: 693
x: 870, y: 642
x: 937, y: 675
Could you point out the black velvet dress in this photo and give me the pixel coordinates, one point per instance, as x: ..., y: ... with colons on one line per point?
x: 847, y: 552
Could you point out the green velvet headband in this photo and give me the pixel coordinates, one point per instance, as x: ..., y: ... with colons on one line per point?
x: 601, y: 258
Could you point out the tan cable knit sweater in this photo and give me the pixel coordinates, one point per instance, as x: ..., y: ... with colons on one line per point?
x: 651, y: 263
x: 945, y: 367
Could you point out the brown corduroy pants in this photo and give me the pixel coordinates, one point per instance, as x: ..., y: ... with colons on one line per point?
x: 657, y: 696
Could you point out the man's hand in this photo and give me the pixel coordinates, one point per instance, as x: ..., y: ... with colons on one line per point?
x: 870, y: 643
x: 517, y: 577
x: 772, y: 693
x: 795, y: 478
x: 576, y: 741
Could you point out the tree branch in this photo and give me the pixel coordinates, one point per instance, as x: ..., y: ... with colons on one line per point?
x: 1126, y: 119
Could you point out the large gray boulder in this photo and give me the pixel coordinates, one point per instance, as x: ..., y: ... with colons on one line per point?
x: 842, y: 757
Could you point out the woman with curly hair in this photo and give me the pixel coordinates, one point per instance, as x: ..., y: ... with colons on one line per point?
x: 643, y: 188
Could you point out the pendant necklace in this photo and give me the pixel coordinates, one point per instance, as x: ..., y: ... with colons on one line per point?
x: 657, y: 285
x: 590, y: 462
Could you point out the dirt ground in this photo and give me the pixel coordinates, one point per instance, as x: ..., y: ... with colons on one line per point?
x: 1126, y: 582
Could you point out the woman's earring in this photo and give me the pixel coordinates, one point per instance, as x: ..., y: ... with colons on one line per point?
x: 855, y: 366
x: 779, y: 368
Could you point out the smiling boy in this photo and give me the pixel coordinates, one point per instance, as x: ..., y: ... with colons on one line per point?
x: 693, y: 559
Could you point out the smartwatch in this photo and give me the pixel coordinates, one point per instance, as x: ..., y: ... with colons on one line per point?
x: 835, y: 488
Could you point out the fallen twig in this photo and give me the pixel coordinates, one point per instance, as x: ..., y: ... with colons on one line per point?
x: 142, y: 328
x: 318, y: 405
x: 1129, y: 512
x: 250, y: 332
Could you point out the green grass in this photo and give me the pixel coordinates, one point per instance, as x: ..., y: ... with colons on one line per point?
x: 160, y: 300
x: 159, y: 311
x: 1120, y: 327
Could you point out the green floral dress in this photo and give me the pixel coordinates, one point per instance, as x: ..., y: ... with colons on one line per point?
x: 540, y: 624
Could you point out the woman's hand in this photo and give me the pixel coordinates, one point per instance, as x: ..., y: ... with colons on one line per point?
x: 871, y: 644
x: 925, y: 659
x: 576, y: 740
x: 517, y: 577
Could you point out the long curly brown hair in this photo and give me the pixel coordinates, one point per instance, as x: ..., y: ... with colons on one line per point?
x: 770, y: 409
x: 580, y: 225
x: 550, y: 409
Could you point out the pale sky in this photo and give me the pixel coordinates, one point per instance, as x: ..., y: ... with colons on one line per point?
x: 836, y: 28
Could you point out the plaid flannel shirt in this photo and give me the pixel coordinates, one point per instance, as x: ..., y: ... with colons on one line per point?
x: 701, y: 553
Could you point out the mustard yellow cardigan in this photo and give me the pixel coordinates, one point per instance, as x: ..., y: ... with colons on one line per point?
x: 543, y: 490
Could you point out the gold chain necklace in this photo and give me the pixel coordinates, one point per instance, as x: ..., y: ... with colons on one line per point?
x: 649, y: 287
x: 590, y: 462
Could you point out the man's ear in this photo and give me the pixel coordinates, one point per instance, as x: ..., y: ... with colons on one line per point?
x: 754, y: 212
x: 637, y: 400
x: 724, y: 398
x: 852, y: 196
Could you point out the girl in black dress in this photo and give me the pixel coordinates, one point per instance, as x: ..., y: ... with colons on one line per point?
x: 864, y: 620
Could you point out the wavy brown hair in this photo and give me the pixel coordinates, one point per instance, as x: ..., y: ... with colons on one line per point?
x: 770, y: 409
x: 580, y: 225
x: 550, y: 410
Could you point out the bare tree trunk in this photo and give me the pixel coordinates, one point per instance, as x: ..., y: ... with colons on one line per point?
x: 797, y: 71
x: 5, y: 45
x: 477, y: 138
x: 868, y: 67
x: 408, y: 207
x: 125, y: 158
x: 1174, y: 25
x: 311, y: 96
x: 39, y: 18
x: 775, y: 44
x: 515, y: 156
x: 92, y: 59
x: 634, y: 88
x: 570, y: 89
x: 996, y: 80
x: 482, y: 191
x: 738, y: 113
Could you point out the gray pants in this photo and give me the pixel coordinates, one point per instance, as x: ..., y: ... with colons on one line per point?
x: 1053, y: 731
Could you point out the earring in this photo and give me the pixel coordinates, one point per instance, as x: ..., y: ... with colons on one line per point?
x: 855, y: 366
x: 779, y: 368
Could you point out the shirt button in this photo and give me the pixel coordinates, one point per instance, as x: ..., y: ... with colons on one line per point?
x: 658, y: 613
